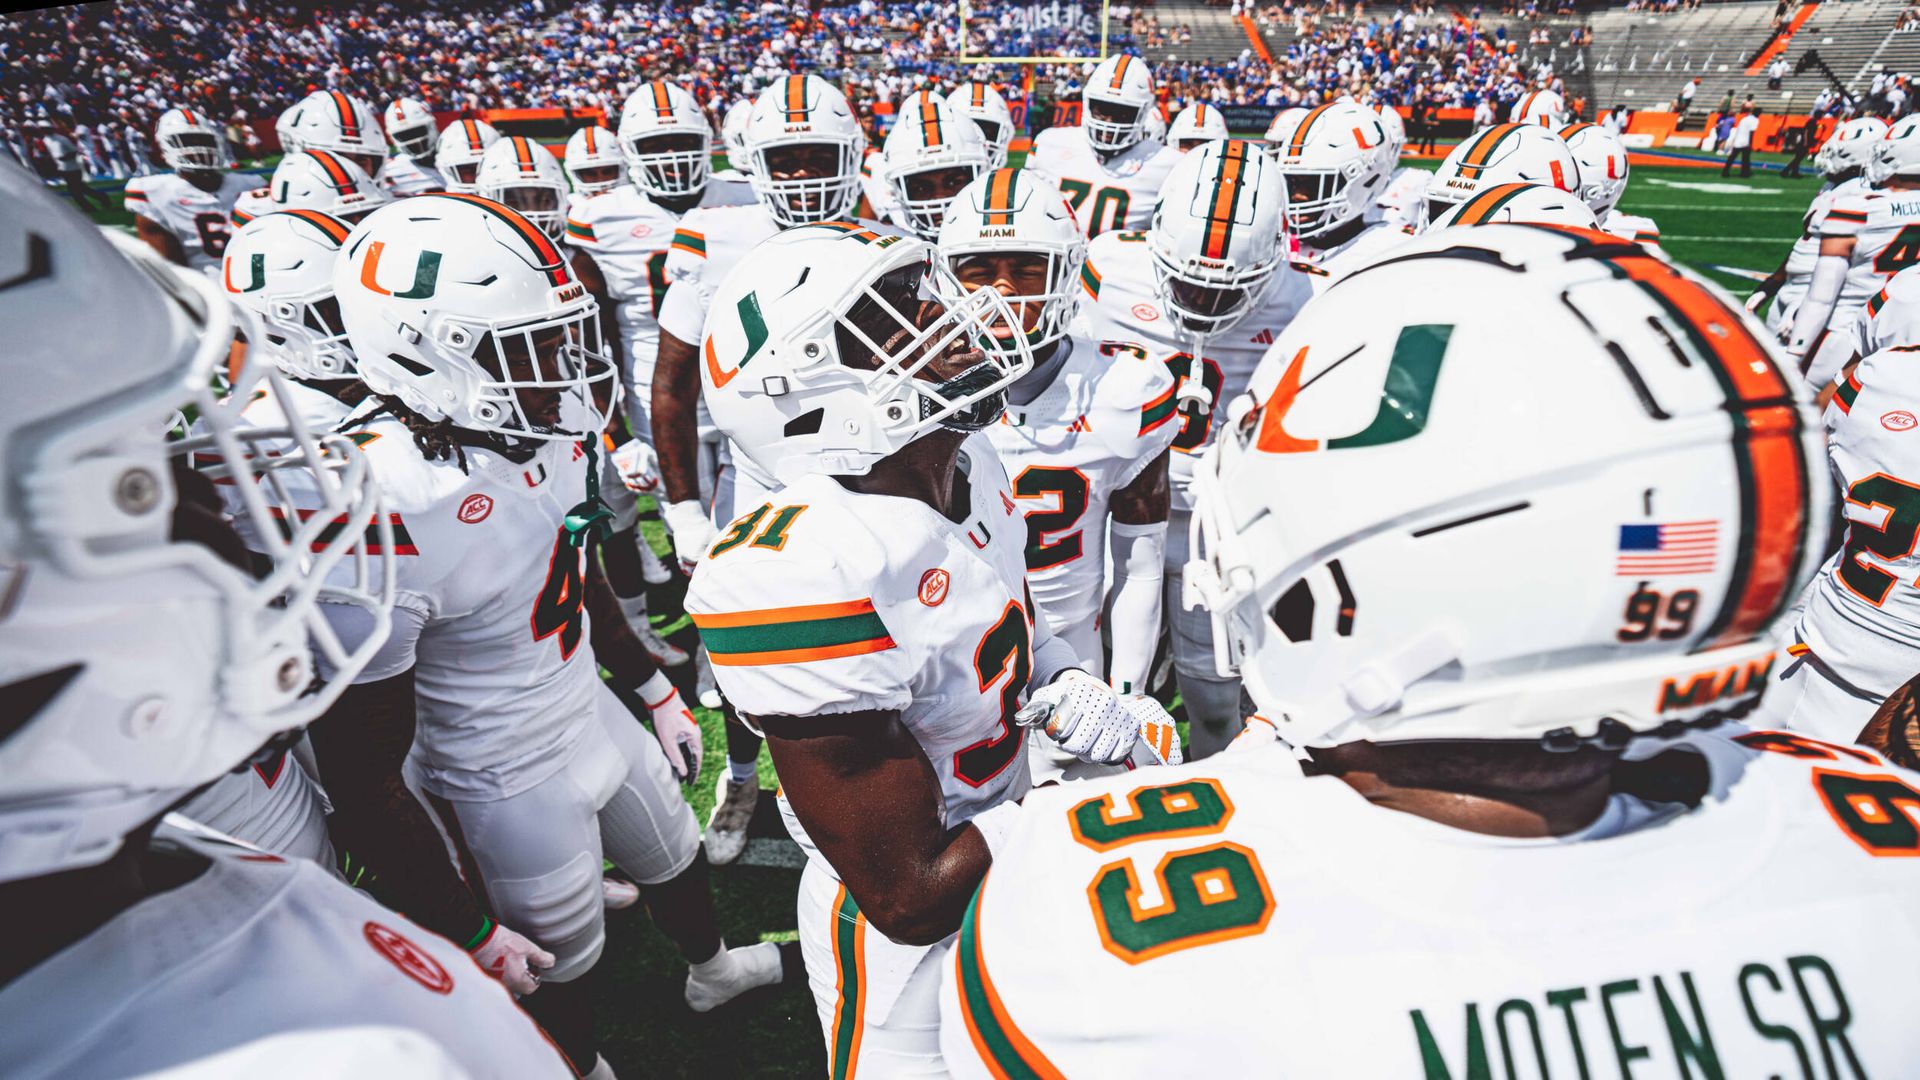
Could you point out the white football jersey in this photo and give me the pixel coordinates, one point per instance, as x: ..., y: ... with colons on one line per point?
x: 1641, y: 230
x: 1337, y: 259
x: 1885, y: 226
x: 828, y: 601
x: 252, y: 947
x: 1122, y: 305
x: 1109, y: 412
x: 1404, y: 197
x: 252, y: 204
x: 273, y: 805
x: 401, y: 176
x: 489, y: 610
x: 198, y: 219
x: 1111, y: 194
x: 1862, y: 617
x: 1891, y: 317
x: 1805, y: 253
x: 1766, y: 929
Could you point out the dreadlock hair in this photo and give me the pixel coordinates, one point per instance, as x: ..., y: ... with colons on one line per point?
x: 438, y: 439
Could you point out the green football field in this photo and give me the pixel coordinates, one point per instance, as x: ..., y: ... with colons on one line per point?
x: 1733, y: 230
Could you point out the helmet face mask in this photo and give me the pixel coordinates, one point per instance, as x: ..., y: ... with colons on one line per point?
x: 671, y: 165
x: 190, y: 143
x: 930, y: 156
x: 982, y: 104
x: 1035, y: 284
x: 806, y: 182
x: 416, y: 142
x: 1217, y: 235
x: 1335, y: 160
x: 1012, y: 226
x: 1118, y: 95
x: 525, y: 176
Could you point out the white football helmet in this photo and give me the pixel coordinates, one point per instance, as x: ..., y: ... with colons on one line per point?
x: 1117, y: 98
x: 138, y: 667
x: 1541, y: 107
x: 1155, y: 125
x: 336, y: 121
x: 929, y: 156
x: 1395, y: 127
x: 411, y: 128
x: 457, y: 155
x: 190, y: 141
x: 463, y: 309
x: 1196, y: 124
x: 1519, y: 204
x: 280, y: 267
x: 1335, y: 161
x: 1407, y: 611
x: 524, y: 175
x: 819, y: 353
x: 1011, y: 211
x: 593, y: 160
x: 1849, y: 149
x: 797, y: 117
x: 1898, y: 152
x: 1280, y: 128
x: 1501, y: 154
x: 733, y: 132
x: 981, y: 103
x: 324, y: 181
x: 666, y: 140
x: 1218, y: 234
x: 1602, y: 158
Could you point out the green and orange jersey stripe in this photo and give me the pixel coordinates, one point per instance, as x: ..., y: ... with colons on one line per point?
x: 1155, y: 414
x: 1846, y: 391
x: 1090, y: 280
x: 1228, y: 181
x: 796, y: 99
x: 349, y: 121
x: 1001, y: 186
x: 1299, y: 144
x: 329, y: 226
x: 1479, y: 155
x: 1876, y: 302
x: 580, y: 230
x: 1485, y: 204
x: 1858, y: 217
x: 689, y: 241
x: 546, y: 255
x: 337, y: 174
x: 1769, y: 459
x: 930, y: 132
x: 849, y: 938
x: 402, y: 539
x: 1004, y: 1049
x: 793, y: 635
x: 136, y: 196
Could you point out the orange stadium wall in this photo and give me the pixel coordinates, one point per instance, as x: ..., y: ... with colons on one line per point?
x: 1649, y: 130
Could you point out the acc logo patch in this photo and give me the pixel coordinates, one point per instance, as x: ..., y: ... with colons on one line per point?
x: 1899, y: 420
x: 418, y: 965
x: 933, y: 587
x: 640, y: 230
x: 1145, y: 312
x: 475, y: 508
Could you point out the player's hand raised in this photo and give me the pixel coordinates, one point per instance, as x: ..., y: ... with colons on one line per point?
x: 513, y: 959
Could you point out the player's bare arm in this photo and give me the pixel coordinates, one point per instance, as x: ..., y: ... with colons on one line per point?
x: 676, y: 389
x: 160, y: 240
x: 869, y: 800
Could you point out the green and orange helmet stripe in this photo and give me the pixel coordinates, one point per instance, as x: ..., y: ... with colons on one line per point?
x: 1229, y: 179
x: 349, y: 121
x: 1480, y: 151
x: 1299, y: 144
x: 546, y: 254
x: 1120, y: 72
x: 523, y: 151
x: 593, y: 142
x: 328, y: 226
x: 337, y: 174
x: 192, y: 119
x: 1199, y: 113
x: 929, y: 121
x: 999, y: 206
x: 1573, y: 129
x: 472, y: 130
x: 662, y: 101
x: 1485, y: 204
x: 796, y: 99
x: 979, y: 95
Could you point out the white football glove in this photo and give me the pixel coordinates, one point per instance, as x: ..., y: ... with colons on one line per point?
x: 1084, y: 716
x: 692, y: 531
x: 1754, y: 301
x: 1159, y: 742
x: 512, y: 959
x: 638, y: 466
x: 679, y: 735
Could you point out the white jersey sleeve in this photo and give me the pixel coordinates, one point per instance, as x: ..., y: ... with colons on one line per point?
x: 1783, y: 921
x: 1401, y: 203
x: 283, y: 948
x: 706, y: 245
x: 402, y: 176
x: 628, y: 236
x: 1891, y: 318
x: 250, y: 205
x: 197, y: 218
x: 1885, y: 226
x: 1107, y: 194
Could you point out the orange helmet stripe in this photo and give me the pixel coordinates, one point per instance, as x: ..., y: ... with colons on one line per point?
x: 796, y: 99
x: 1299, y: 144
x: 548, y: 256
x: 979, y: 95
x: 1226, y: 199
x: 1478, y: 209
x: 1120, y: 71
x: 333, y: 228
x: 1487, y: 142
x: 473, y: 133
x: 523, y: 154
x: 336, y: 172
x: 349, y: 121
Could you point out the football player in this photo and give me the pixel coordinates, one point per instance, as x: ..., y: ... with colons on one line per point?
x: 1866, y: 237
x: 183, y: 214
x: 1492, y: 753
x: 1858, y: 638
x: 1519, y: 204
x: 414, y: 133
x: 878, y: 199
x: 317, y: 180
x: 1502, y: 154
x: 1196, y: 124
x: 483, y: 357
x: 1544, y: 108
x: 1283, y: 123
x: 619, y: 240
x: 1843, y: 162
x: 525, y: 176
x: 1335, y: 163
x: 593, y: 163
x: 871, y: 616
x: 459, y: 151
x: 733, y: 133
x: 1111, y: 171
x: 142, y: 658
x: 1205, y: 294
x: 336, y: 121
x: 1085, y: 433
x: 981, y: 103
x: 1400, y: 202
x: 1604, y: 167
x: 1891, y: 317
x: 805, y: 148
x: 931, y: 154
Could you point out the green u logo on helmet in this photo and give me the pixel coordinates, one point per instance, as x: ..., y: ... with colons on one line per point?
x: 426, y: 274
x: 256, y: 270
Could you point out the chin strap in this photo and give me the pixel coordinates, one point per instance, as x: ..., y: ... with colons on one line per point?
x: 592, y: 515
